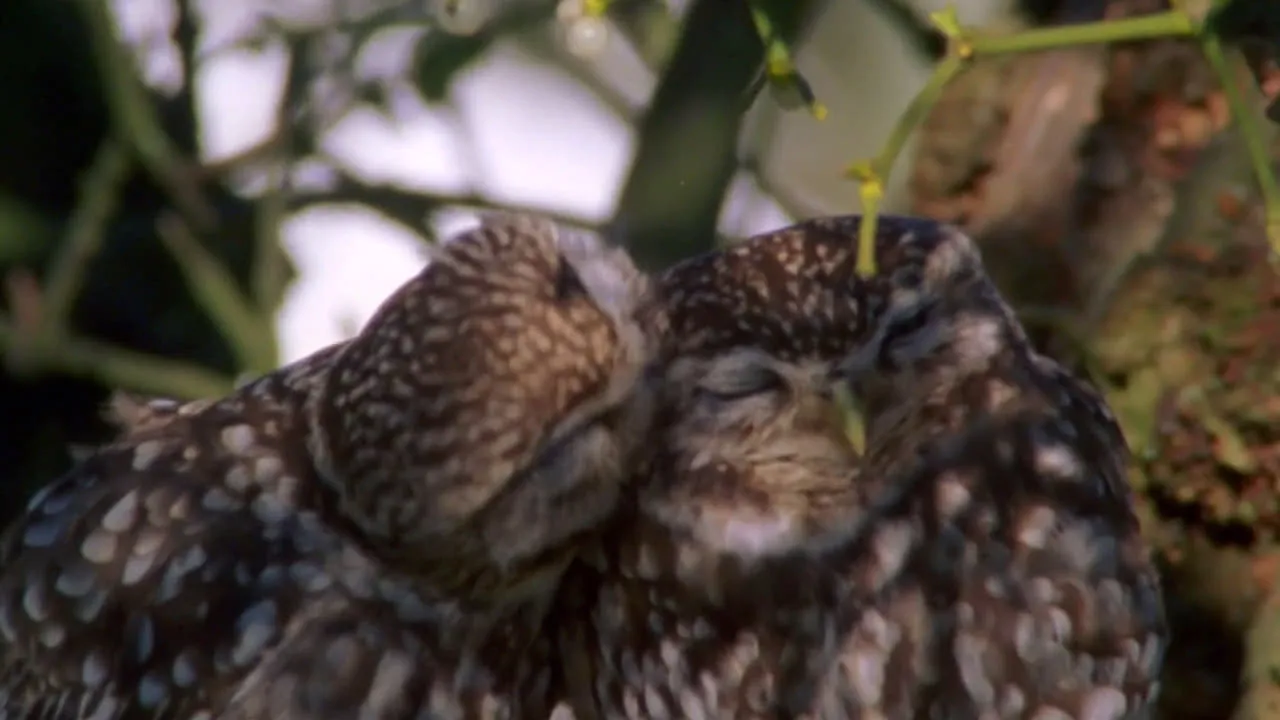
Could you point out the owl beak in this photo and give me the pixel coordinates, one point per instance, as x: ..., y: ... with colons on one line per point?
x: 847, y: 411
x: 833, y: 412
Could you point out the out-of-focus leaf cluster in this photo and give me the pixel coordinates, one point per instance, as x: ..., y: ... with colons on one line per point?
x: 128, y: 262
x: 1255, y: 27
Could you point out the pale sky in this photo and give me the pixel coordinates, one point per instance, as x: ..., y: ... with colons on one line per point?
x: 523, y: 132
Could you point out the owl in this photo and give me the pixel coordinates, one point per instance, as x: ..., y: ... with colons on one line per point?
x: 375, y: 531
x: 126, y: 412
x: 981, y: 558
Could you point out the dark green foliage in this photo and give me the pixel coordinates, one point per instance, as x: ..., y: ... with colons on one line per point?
x: 690, y: 130
x: 441, y: 55
x: 1255, y: 26
x: 133, y: 295
x: 1247, y: 19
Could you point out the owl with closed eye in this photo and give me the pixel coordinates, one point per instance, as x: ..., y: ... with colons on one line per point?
x: 980, y: 558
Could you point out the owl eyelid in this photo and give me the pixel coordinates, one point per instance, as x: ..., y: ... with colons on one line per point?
x: 902, y: 328
x: 762, y: 382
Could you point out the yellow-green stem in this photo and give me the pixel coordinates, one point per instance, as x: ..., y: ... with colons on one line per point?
x: 269, y: 262
x: 99, y: 192
x: 1251, y: 133
x: 882, y: 165
x: 915, y: 113
x: 966, y: 45
x: 134, y: 119
x: 242, y: 323
x: 764, y: 28
x: 119, y: 367
x: 1148, y: 27
x: 867, y: 234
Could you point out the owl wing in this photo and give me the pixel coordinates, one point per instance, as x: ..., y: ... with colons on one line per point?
x: 342, y: 658
x: 1059, y: 612
x: 151, y: 577
x: 1029, y: 593
x: 348, y: 654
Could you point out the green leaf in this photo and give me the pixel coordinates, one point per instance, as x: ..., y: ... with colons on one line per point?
x: 24, y: 234
x: 1236, y: 20
x: 947, y: 21
x: 1254, y: 24
x: 440, y: 56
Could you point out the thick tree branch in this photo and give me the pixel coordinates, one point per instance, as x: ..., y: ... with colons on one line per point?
x: 686, y: 154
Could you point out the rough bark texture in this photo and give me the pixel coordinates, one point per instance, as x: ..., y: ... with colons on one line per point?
x: 1119, y: 212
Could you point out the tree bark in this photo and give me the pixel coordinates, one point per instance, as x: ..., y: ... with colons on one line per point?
x: 1117, y: 212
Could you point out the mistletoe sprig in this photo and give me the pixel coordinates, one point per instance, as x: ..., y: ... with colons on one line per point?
x: 964, y: 45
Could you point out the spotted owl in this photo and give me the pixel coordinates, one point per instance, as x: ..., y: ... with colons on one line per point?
x: 981, y: 559
x: 374, y: 531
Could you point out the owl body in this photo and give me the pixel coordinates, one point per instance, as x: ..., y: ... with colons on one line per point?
x: 716, y: 590
x: 660, y: 649
x: 373, y: 532
x: 192, y: 569
x: 981, y: 559
x: 231, y: 572
x: 1025, y: 589
x: 348, y: 654
x: 1022, y: 587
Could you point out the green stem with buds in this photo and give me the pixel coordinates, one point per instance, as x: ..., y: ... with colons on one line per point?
x: 964, y: 45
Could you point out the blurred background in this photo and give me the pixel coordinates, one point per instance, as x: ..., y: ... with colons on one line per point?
x: 195, y: 191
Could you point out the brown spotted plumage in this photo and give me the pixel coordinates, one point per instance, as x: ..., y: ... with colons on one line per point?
x: 127, y: 412
x: 981, y: 560
x: 372, y: 532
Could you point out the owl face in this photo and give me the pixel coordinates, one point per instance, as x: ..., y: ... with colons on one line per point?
x: 752, y: 395
x: 758, y: 464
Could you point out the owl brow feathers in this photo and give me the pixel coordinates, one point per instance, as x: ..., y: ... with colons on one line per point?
x: 795, y: 292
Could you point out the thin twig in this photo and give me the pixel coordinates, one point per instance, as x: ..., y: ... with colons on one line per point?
x: 239, y: 319
x: 1157, y: 26
x: 963, y: 46
x: 1251, y: 132
x: 269, y: 260
x: 118, y: 367
x: 412, y: 208
x: 134, y: 119
x: 873, y: 176
x: 39, y: 337
x: 99, y: 194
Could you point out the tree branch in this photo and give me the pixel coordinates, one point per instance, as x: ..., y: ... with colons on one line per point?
x: 411, y: 208
x: 113, y: 366
x: 134, y: 119
x: 686, y: 154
